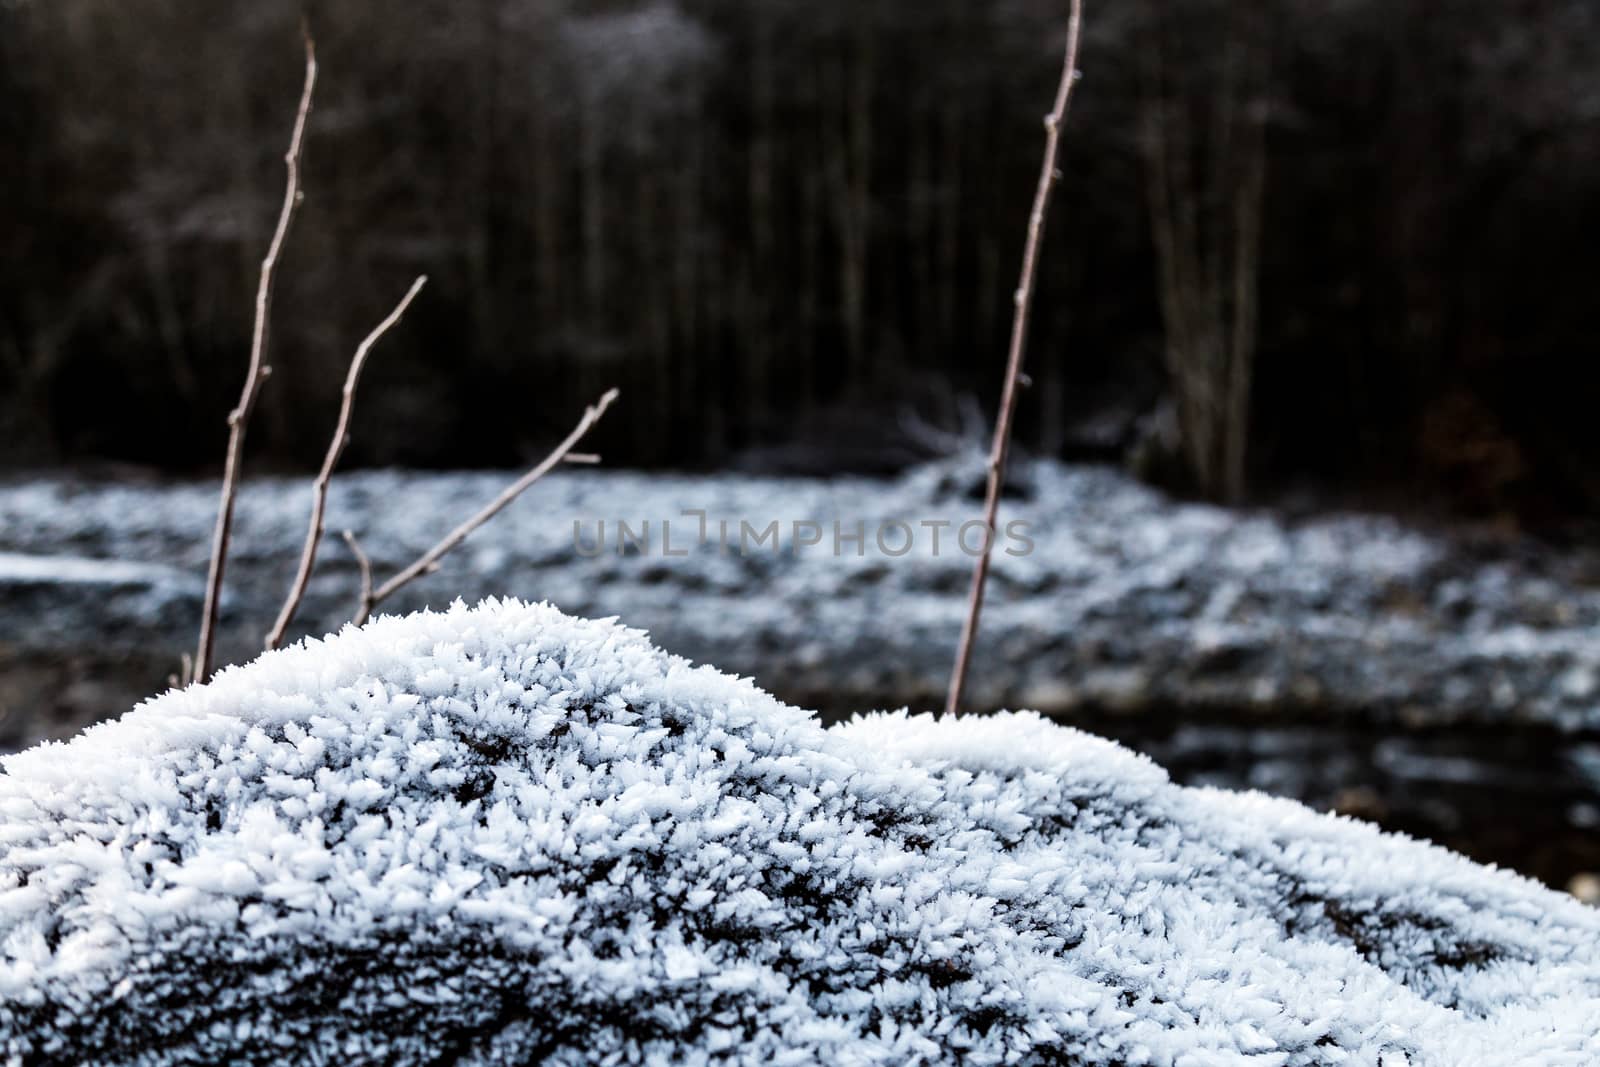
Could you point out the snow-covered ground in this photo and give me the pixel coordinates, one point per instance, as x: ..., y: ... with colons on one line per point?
x: 1126, y: 601
x: 501, y: 835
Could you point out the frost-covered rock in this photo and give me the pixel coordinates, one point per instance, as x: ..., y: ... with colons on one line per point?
x: 504, y: 835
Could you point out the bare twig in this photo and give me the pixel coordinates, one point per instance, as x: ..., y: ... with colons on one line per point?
x: 428, y: 562
x: 366, y: 575
x: 1019, y: 336
x: 336, y: 447
x: 239, y: 418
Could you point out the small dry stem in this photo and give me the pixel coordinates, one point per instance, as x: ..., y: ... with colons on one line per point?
x: 259, y: 371
x: 1000, y: 449
x: 428, y: 562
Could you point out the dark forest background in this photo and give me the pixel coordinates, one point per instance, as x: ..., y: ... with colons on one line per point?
x: 1343, y: 243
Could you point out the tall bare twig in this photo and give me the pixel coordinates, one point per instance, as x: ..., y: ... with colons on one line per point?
x: 429, y: 560
x: 336, y: 447
x: 1019, y: 337
x: 259, y: 369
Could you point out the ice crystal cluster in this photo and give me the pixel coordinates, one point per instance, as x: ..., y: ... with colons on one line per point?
x: 502, y: 835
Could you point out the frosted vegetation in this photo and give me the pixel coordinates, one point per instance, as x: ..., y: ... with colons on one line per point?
x: 505, y: 835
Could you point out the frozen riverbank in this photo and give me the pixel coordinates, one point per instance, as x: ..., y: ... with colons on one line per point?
x: 1126, y: 600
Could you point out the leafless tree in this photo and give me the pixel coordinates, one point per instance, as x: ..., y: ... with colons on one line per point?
x: 1206, y: 177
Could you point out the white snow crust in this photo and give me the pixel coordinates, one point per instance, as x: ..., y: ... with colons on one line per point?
x: 500, y: 835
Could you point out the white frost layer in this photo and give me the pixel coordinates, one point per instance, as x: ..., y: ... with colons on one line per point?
x: 503, y: 835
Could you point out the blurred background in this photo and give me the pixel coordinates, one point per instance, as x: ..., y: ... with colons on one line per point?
x: 1309, y: 439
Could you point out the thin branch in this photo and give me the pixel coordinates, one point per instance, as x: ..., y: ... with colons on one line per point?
x: 1019, y: 336
x: 239, y: 418
x: 428, y: 562
x: 336, y: 447
x: 366, y: 575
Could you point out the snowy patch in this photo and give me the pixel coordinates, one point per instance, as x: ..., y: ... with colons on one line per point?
x: 1137, y: 601
x: 504, y: 835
